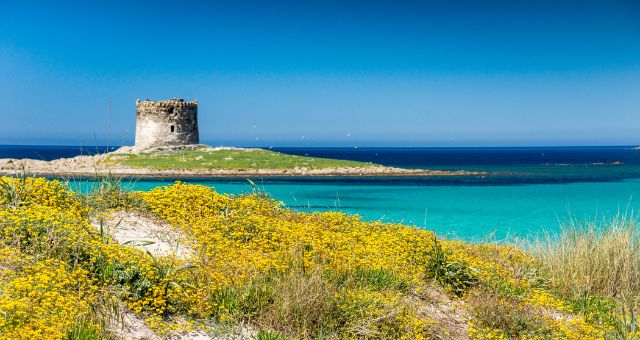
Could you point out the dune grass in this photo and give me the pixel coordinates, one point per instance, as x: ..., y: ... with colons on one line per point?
x: 596, y: 265
x: 230, y: 159
x: 594, y: 258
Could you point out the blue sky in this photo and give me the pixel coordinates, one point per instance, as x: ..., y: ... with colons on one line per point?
x: 325, y: 73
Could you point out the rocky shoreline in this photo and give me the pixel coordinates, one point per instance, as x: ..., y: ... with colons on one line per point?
x: 102, y: 165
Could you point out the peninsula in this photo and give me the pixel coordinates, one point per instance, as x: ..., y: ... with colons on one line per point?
x: 167, y: 145
x: 204, y: 161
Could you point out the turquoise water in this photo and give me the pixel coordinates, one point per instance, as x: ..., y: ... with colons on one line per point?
x: 469, y: 212
x: 527, y: 190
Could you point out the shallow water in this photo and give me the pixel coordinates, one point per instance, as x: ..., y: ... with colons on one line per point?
x: 470, y: 212
x: 528, y: 189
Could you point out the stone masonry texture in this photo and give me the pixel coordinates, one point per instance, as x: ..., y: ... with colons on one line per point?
x: 166, y: 123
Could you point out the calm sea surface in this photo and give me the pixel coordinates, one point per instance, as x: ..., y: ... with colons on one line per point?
x: 525, y: 191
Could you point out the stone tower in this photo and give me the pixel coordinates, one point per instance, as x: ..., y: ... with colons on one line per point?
x: 166, y: 123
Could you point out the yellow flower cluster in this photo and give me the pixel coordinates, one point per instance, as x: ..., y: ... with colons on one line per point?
x: 42, y: 192
x: 41, y: 299
x: 237, y: 237
x: 53, y: 262
x: 386, y: 314
x: 54, y: 265
x: 41, y: 294
x: 484, y: 333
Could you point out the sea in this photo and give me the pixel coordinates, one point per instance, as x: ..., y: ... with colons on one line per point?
x: 523, y: 193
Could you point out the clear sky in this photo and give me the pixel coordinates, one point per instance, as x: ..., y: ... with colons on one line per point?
x: 314, y: 73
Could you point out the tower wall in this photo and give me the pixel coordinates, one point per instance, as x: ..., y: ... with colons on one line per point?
x: 166, y: 123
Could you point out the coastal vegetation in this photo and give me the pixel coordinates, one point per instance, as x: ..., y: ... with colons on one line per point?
x: 255, y: 267
x: 233, y: 158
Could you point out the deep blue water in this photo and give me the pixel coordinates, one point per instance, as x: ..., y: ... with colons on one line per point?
x: 507, y: 166
x: 475, y: 157
x: 525, y: 191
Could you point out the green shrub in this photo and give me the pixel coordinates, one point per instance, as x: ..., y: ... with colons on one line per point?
x: 269, y: 335
x: 85, y: 331
x: 456, y: 276
x: 14, y: 193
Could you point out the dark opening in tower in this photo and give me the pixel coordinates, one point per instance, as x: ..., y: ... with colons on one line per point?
x: 173, y: 128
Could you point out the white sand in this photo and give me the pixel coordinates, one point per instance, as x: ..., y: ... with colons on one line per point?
x: 137, y: 230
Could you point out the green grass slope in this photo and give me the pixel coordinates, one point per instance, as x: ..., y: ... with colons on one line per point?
x: 230, y: 159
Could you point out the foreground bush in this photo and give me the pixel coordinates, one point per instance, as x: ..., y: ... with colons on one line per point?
x: 256, y: 263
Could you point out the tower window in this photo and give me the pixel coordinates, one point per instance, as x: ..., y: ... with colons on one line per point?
x: 173, y: 128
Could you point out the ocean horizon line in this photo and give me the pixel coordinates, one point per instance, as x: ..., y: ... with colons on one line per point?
x: 341, y: 147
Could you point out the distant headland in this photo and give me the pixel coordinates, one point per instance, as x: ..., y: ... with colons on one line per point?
x: 204, y: 161
x: 167, y: 145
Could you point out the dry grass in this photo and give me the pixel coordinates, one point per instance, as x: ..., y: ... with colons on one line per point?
x: 595, y: 265
x: 300, y: 302
x: 515, y: 319
x: 598, y: 258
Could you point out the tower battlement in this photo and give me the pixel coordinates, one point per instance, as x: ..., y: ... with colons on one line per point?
x: 166, y: 103
x: 166, y: 123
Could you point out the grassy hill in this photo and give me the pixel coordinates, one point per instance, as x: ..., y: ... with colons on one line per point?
x: 229, y: 159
